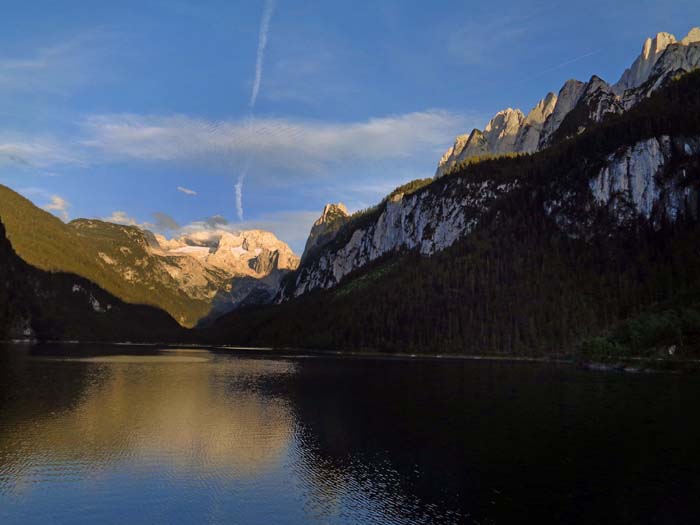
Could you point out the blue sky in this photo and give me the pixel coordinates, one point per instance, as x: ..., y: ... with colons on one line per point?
x: 144, y: 108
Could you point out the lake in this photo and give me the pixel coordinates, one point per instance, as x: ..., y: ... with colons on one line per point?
x: 97, y: 434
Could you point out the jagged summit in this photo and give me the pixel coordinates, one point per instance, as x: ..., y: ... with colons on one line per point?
x: 692, y: 36
x: 325, y: 227
x: 641, y: 68
x: 237, y: 253
x: 330, y: 211
x: 553, y: 117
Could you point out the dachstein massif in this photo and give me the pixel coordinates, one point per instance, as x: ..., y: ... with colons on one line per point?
x: 573, y: 227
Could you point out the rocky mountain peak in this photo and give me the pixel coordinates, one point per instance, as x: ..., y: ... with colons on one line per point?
x: 502, y: 130
x: 653, y: 48
x: 692, y: 37
x: 568, y: 97
x: 542, y: 109
x: 657, y: 45
x: 325, y: 227
x: 331, y: 212
x: 662, y: 57
x: 531, y: 129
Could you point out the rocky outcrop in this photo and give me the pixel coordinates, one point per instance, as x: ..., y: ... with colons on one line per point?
x: 325, y: 227
x: 654, y: 179
x: 223, y: 267
x: 578, y: 104
x: 641, y: 68
x: 502, y: 131
x: 472, y: 145
x: 530, y: 132
x: 499, y: 136
x: 648, y: 179
x: 426, y: 221
x: 569, y: 95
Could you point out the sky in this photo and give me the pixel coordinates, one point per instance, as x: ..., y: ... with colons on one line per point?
x: 178, y: 115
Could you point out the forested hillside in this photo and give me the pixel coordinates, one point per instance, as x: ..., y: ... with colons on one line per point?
x: 35, y: 304
x: 87, y: 247
x: 545, y: 268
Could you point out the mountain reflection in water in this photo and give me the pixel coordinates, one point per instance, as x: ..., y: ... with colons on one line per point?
x: 115, y: 435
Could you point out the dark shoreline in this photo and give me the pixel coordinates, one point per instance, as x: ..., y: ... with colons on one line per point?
x: 609, y: 364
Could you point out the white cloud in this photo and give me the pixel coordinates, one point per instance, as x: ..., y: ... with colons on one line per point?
x: 186, y: 191
x: 58, y: 205
x: 121, y: 217
x: 36, y: 152
x: 271, y: 144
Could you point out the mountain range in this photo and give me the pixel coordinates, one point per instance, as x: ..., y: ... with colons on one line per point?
x: 578, y: 104
x: 195, y: 276
x: 535, y: 236
x: 568, y: 223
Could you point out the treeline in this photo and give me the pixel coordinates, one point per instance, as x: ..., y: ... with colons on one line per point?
x: 516, y: 287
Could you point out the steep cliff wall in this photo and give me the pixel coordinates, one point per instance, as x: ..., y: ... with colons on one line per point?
x: 426, y: 221
x: 649, y: 179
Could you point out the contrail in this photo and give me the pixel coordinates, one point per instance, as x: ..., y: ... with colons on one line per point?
x: 262, y: 43
x: 239, y: 196
x: 239, y: 189
x: 558, y: 66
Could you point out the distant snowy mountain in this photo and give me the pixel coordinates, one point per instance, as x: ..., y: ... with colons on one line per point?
x: 194, y: 276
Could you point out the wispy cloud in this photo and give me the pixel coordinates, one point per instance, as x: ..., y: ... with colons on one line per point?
x: 480, y: 38
x: 301, y: 146
x: 162, y: 222
x: 186, y: 191
x: 262, y: 44
x: 56, y: 68
x: 59, y: 206
x: 38, y: 152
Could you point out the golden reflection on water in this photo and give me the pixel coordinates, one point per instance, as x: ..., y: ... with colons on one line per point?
x: 183, y: 410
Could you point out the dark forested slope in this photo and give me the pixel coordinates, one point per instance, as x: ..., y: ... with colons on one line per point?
x: 545, y: 267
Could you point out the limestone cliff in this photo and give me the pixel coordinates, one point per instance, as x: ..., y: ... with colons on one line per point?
x: 325, y: 227
x: 578, y: 104
x: 642, y: 165
x: 648, y: 177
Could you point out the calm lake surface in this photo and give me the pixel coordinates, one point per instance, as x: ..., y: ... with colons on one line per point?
x: 134, y: 435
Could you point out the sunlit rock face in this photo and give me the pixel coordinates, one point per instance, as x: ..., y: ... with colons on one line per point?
x: 325, y: 227
x: 641, y: 68
x: 425, y: 221
x: 225, y: 268
x: 254, y: 253
x: 634, y: 182
x: 661, y: 58
x: 568, y: 97
x: 647, y: 179
x: 530, y: 132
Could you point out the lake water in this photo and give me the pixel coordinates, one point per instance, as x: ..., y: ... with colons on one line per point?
x: 128, y: 435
